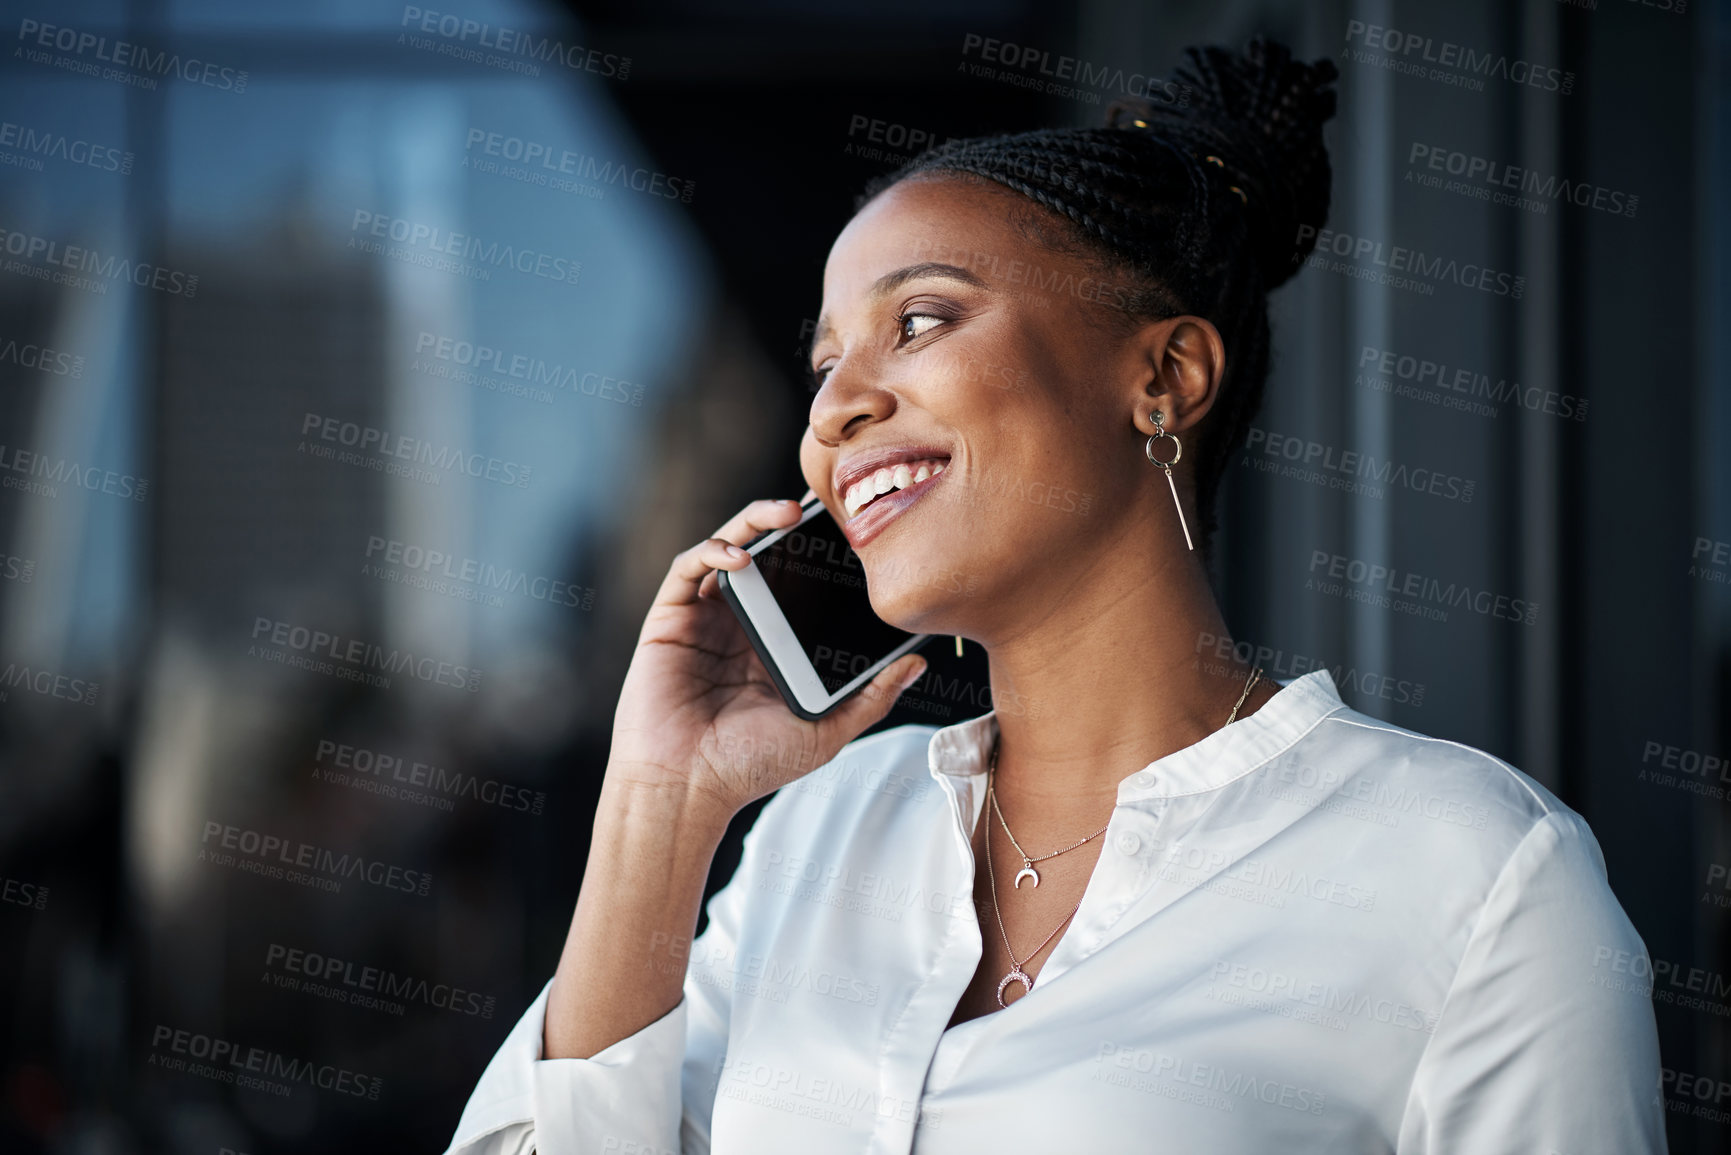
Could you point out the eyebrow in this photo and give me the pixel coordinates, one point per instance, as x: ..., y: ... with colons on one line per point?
x: 890, y: 282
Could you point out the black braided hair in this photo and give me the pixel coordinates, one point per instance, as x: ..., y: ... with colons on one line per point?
x: 1201, y: 200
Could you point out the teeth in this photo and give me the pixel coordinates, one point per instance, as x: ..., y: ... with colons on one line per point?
x: 888, y: 479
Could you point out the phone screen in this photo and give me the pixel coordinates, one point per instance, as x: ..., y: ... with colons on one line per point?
x: 820, y: 586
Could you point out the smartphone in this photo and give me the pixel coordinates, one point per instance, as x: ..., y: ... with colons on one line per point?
x: 803, y: 603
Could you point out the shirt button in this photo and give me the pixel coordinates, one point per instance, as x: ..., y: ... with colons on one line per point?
x: 1142, y: 779
x: 1128, y: 843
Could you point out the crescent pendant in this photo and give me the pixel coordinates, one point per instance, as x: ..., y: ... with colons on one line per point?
x: 1015, y: 976
x: 1027, y: 872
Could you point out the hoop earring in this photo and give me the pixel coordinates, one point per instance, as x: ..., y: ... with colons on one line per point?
x: 1177, y: 452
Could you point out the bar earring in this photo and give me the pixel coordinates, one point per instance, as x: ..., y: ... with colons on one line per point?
x: 958, y: 645
x: 1177, y: 452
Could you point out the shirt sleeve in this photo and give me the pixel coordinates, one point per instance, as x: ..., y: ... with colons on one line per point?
x: 1534, y: 1051
x: 650, y: 1093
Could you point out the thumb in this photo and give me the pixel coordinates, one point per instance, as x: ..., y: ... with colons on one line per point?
x: 879, y: 696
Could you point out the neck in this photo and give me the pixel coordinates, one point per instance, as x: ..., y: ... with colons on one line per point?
x: 1112, y: 680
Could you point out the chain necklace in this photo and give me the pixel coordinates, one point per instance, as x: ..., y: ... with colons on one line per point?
x: 1017, y: 974
x: 1027, y: 870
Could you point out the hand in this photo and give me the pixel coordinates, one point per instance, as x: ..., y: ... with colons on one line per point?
x: 698, y: 715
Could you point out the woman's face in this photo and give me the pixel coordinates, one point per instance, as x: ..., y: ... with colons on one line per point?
x: 948, y: 339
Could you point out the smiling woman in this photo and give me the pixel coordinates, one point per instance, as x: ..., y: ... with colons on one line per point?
x: 1257, y: 920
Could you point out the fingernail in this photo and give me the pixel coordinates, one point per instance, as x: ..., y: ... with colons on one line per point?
x: 915, y: 676
x: 735, y: 551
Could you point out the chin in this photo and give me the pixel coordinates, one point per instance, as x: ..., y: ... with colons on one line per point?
x: 918, y: 598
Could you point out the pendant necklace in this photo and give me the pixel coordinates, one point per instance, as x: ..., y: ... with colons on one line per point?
x: 1017, y: 974
x: 1027, y: 870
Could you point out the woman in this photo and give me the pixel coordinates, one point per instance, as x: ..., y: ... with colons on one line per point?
x: 1212, y: 912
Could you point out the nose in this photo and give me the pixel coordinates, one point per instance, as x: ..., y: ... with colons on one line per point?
x: 849, y: 400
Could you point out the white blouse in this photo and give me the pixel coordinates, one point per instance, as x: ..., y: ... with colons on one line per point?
x: 1309, y: 931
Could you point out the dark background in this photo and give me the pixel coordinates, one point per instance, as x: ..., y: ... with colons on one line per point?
x: 772, y: 116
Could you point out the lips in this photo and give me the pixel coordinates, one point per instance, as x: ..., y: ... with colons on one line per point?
x: 889, y: 479
x: 872, y: 519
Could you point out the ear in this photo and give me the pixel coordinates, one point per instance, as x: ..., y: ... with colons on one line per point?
x: 1187, y: 359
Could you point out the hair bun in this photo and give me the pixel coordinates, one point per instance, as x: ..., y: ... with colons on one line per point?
x: 1261, y: 113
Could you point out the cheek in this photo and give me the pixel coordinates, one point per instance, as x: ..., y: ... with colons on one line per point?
x: 814, y: 461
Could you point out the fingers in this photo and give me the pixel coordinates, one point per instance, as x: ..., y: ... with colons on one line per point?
x: 686, y: 578
x: 870, y: 705
x: 691, y: 566
x: 756, y: 518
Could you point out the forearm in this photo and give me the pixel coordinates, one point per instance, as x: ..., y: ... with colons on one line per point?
x: 623, y: 966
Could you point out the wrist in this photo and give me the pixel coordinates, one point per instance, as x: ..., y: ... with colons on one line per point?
x: 643, y: 802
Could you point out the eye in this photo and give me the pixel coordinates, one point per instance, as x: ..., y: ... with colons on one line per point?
x: 910, y: 324
x: 818, y: 375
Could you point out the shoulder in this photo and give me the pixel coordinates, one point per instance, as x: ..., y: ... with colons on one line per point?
x: 1415, y: 773
x: 1443, y: 804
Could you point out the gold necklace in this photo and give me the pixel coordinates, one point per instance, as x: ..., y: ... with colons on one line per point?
x: 1017, y: 974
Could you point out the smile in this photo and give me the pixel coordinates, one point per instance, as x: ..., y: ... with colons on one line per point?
x: 889, y: 480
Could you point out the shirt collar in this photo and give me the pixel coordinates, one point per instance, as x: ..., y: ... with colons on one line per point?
x: 960, y: 750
